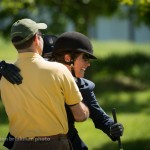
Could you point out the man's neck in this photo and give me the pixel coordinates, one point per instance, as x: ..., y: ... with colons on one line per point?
x: 28, y: 50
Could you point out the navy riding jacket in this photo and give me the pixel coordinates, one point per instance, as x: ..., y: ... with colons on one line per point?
x: 100, y: 119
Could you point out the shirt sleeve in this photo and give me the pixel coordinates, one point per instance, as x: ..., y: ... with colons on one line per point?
x: 70, y: 89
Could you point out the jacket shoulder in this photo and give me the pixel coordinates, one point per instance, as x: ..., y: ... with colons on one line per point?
x: 85, y: 83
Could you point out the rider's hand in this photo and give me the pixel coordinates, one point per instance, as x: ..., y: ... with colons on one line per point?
x: 10, y: 72
x: 116, y: 130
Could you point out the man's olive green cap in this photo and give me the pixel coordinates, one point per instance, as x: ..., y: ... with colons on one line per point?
x: 25, y: 28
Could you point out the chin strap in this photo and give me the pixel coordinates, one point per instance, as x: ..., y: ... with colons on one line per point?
x: 72, y: 70
x: 71, y: 63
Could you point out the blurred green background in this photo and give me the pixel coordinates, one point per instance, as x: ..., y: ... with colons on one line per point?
x: 122, y: 81
x: 121, y: 73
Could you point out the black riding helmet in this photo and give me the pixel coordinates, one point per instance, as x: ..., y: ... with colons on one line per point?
x: 49, y: 41
x: 73, y: 41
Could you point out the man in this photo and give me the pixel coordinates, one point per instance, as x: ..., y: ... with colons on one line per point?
x: 35, y: 108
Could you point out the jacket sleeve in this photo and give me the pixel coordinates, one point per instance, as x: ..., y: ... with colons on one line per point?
x: 100, y: 119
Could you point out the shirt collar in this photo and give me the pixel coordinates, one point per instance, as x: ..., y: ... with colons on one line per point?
x: 29, y: 55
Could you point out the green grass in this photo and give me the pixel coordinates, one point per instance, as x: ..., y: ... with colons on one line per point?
x: 3, y: 134
x: 133, y: 130
x: 132, y: 106
x: 105, y: 49
x: 7, y: 51
x: 101, y: 49
x: 133, y: 111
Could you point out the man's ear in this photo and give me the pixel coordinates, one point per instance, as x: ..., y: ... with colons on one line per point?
x: 36, y: 40
x: 67, y: 58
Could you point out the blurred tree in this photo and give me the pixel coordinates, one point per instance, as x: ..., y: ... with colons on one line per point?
x: 141, y: 8
x: 81, y: 13
x: 10, y: 11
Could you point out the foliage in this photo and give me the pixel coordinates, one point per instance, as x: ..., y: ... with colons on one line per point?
x: 143, y: 12
x: 56, y: 13
x: 83, y: 13
x: 140, y: 9
x: 121, y: 73
x: 10, y: 11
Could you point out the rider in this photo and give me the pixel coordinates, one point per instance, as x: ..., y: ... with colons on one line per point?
x: 74, y: 50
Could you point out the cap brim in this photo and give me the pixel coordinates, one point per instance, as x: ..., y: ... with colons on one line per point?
x: 41, y: 25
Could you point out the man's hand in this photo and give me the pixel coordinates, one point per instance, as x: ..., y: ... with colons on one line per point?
x: 116, y: 130
x: 10, y: 72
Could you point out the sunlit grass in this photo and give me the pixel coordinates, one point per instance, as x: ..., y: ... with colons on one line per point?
x: 101, y: 49
x: 124, y: 96
x: 133, y: 111
x: 134, y: 128
x: 3, y: 133
x: 7, y: 51
x: 105, y: 49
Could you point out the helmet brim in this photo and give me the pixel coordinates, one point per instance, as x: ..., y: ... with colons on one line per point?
x: 77, y: 50
x: 89, y: 54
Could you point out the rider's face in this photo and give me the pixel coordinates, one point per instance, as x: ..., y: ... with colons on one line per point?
x: 81, y: 64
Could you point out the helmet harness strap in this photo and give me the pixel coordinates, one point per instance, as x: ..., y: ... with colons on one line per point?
x: 72, y: 67
x: 71, y: 63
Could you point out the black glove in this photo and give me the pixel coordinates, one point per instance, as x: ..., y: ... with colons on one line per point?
x: 10, y: 72
x: 9, y: 142
x: 116, y: 130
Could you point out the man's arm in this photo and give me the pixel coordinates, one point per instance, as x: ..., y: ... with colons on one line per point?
x: 80, y: 112
x: 10, y: 72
